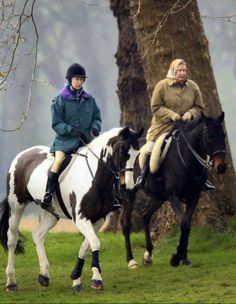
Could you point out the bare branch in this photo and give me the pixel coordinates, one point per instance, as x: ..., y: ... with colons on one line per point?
x: 22, y: 19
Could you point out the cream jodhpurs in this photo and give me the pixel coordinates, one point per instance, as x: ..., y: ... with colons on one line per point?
x: 59, y: 157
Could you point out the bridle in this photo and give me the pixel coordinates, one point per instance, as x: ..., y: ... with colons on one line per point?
x: 222, y: 151
x: 117, y: 173
x: 205, y: 163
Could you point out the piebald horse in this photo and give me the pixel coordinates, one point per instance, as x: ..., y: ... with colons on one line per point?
x: 85, y: 195
x: 196, y: 146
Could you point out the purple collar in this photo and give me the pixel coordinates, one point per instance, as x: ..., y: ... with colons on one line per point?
x: 68, y: 93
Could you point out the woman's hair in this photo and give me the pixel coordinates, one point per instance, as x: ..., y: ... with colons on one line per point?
x: 173, y: 68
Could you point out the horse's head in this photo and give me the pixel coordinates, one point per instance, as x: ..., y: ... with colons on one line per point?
x: 125, y: 151
x: 214, y: 137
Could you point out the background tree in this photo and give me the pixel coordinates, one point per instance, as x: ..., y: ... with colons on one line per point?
x: 151, y: 34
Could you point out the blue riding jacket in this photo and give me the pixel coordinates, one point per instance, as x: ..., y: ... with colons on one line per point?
x: 73, y: 109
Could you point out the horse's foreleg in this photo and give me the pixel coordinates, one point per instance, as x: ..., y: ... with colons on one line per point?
x: 48, y: 221
x: 147, y: 215
x: 12, y: 236
x: 86, y: 228
x: 125, y: 221
x: 77, y: 271
x: 96, y: 282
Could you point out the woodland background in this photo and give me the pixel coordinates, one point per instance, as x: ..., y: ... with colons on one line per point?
x: 86, y: 32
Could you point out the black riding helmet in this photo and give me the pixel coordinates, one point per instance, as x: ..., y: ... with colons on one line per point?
x: 75, y: 70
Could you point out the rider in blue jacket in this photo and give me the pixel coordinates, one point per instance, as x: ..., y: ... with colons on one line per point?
x: 75, y: 116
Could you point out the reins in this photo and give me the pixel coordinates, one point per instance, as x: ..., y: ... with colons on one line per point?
x: 116, y: 174
x: 205, y: 163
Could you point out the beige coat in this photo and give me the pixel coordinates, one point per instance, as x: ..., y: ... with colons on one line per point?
x: 168, y: 98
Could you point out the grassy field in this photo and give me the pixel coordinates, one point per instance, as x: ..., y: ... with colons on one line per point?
x: 211, y: 278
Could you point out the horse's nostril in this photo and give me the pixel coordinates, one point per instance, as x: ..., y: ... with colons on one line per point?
x: 221, y: 168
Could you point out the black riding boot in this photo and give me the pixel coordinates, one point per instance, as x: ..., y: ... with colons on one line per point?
x: 144, y: 171
x: 51, y: 185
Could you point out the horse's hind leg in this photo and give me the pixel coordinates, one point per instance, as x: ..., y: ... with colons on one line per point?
x: 47, y: 222
x: 16, y: 211
x: 185, y: 218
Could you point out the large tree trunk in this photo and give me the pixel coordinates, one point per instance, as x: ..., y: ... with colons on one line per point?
x: 152, y: 34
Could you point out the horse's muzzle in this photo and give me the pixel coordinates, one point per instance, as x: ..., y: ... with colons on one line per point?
x: 219, y: 163
x: 221, y: 168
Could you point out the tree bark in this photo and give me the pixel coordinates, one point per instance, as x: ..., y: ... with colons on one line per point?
x: 152, y: 34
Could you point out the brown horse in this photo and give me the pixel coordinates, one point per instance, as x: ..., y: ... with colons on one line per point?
x: 195, y: 147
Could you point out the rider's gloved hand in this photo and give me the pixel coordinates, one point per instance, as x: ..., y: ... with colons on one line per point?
x: 187, y: 116
x: 94, y: 132
x: 76, y: 132
x: 175, y: 117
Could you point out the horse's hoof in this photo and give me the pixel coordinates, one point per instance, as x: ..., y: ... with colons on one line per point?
x: 44, y: 281
x: 77, y: 288
x: 147, y: 262
x: 132, y: 264
x: 97, y: 284
x: 175, y: 260
x: 186, y: 262
x: 11, y: 287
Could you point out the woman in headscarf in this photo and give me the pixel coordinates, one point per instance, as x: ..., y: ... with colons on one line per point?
x: 174, y: 98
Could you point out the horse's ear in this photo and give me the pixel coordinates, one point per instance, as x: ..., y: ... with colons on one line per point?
x: 221, y: 117
x: 125, y: 133
x: 140, y: 133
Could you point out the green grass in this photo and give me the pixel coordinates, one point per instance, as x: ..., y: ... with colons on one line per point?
x: 211, y: 279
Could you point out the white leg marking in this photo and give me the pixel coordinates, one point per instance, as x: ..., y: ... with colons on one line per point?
x: 96, y: 274
x: 12, y: 235
x: 86, y: 228
x: 132, y: 264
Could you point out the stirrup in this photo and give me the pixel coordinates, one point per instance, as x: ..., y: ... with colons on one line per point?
x: 47, y: 200
x: 208, y: 186
x: 116, y: 205
x: 140, y: 181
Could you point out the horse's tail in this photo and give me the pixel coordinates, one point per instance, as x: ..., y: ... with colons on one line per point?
x: 4, y: 226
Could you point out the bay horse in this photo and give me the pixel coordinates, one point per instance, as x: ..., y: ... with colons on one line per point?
x: 196, y: 146
x: 85, y: 195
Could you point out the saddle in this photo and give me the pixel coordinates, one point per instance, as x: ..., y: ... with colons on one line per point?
x: 159, y: 151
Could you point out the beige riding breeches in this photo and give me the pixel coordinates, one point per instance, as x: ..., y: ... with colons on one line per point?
x: 59, y: 157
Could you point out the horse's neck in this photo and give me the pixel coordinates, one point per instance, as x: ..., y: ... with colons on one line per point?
x: 104, y: 176
x: 195, y: 139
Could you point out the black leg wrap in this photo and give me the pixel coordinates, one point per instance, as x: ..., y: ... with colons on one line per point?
x: 95, y: 260
x: 76, y: 273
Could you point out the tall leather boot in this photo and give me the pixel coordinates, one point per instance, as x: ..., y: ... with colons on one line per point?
x: 51, y: 186
x: 144, y: 171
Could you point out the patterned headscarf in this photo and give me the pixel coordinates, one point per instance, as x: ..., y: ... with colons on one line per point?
x: 173, y: 68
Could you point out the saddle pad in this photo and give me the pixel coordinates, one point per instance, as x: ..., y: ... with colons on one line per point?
x: 158, y: 155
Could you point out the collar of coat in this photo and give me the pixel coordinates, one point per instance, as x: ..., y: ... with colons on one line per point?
x: 69, y: 93
x: 172, y: 82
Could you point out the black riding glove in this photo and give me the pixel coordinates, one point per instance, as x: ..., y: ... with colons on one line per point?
x: 94, y: 132
x: 76, y: 132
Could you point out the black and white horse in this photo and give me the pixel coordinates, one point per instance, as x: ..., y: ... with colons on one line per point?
x: 179, y: 180
x: 85, y: 195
